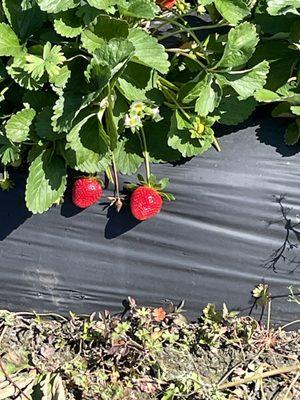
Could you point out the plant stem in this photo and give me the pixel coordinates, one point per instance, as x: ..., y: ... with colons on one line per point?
x: 269, y: 314
x: 145, y: 154
x: 187, y: 30
x: 217, y: 145
x: 170, y: 105
x: 78, y: 56
x: 21, y: 392
x: 183, y: 53
x: 278, y: 371
x: 54, y: 315
x: 172, y: 97
x: 297, y: 321
x: 294, y: 381
x: 168, y: 21
x: 168, y: 83
x: 221, y: 71
x: 115, y: 170
x: 197, y: 28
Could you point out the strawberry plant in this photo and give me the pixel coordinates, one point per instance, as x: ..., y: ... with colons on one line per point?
x: 103, y: 86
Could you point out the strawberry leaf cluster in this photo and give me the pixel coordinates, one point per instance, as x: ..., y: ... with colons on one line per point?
x: 98, y: 86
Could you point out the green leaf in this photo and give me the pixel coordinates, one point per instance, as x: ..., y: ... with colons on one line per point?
x: 234, y: 11
x: 225, y: 113
x: 68, y: 25
x: 209, y: 99
x: 56, y: 6
x: 266, y: 96
x: 148, y: 51
x: 9, y: 42
x: 105, y: 29
x: 128, y: 155
x: 18, y: 126
x: 108, y: 28
x: 3, y: 73
x: 295, y: 110
x: 98, y: 75
x: 272, y: 24
x: 281, y: 59
x: 43, y: 125
x: 247, y: 83
x: 282, y: 110
x: 16, y: 69
x: 90, y: 41
x: 180, y: 137
x: 240, y: 46
x: 143, y: 9
x: 61, y: 79
x: 204, y: 91
x: 25, y: 21
x: 50, y: 62
x: 137, y: 82
x: 39, y: 100
x: 108, y: 63
x: 67, y: 108
x: 292, y: 134
x: 87, y: 147
x: 9, y: 152
x: 46, y: 182
x: 282, y: 7
x: 157, y: 136
x: 87, y: 14
x: 102, y: 4
x: 114, y: 54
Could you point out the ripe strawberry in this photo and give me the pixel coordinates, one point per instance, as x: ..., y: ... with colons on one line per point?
x: 166, y: 4
x: 145, y: 203
x: 86, y: 192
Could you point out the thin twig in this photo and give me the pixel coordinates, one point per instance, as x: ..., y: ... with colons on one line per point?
x: 3, y: 333
x: 297, y: 321
x: 293, y: 383
x: 278, y: 371
x: 8, y: 378
x: 269, y: 315
x: 41, y: 315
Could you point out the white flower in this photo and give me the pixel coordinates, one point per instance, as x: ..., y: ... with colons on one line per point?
x: 138, y: 107
x: 133, y: 122
x: 155, y: 115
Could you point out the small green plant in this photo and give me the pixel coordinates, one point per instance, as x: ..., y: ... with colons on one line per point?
x: 293, y: 297
x: 147, y: 353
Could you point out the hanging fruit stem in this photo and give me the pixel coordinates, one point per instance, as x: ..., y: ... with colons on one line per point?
x: 116, y: 178
x: 145, y: 154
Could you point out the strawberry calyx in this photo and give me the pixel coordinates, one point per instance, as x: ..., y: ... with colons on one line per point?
x: 5, y: 183
x: 153, y: 183
x: 91, y: 177
x: 117, y: 201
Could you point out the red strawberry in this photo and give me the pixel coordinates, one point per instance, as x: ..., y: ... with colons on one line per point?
x: 145, y: 203
x: 86, y: 192
x: 166, y: 4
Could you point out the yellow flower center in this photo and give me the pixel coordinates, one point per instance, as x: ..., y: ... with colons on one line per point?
x: 199, y: 128
x: 139, y: 108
